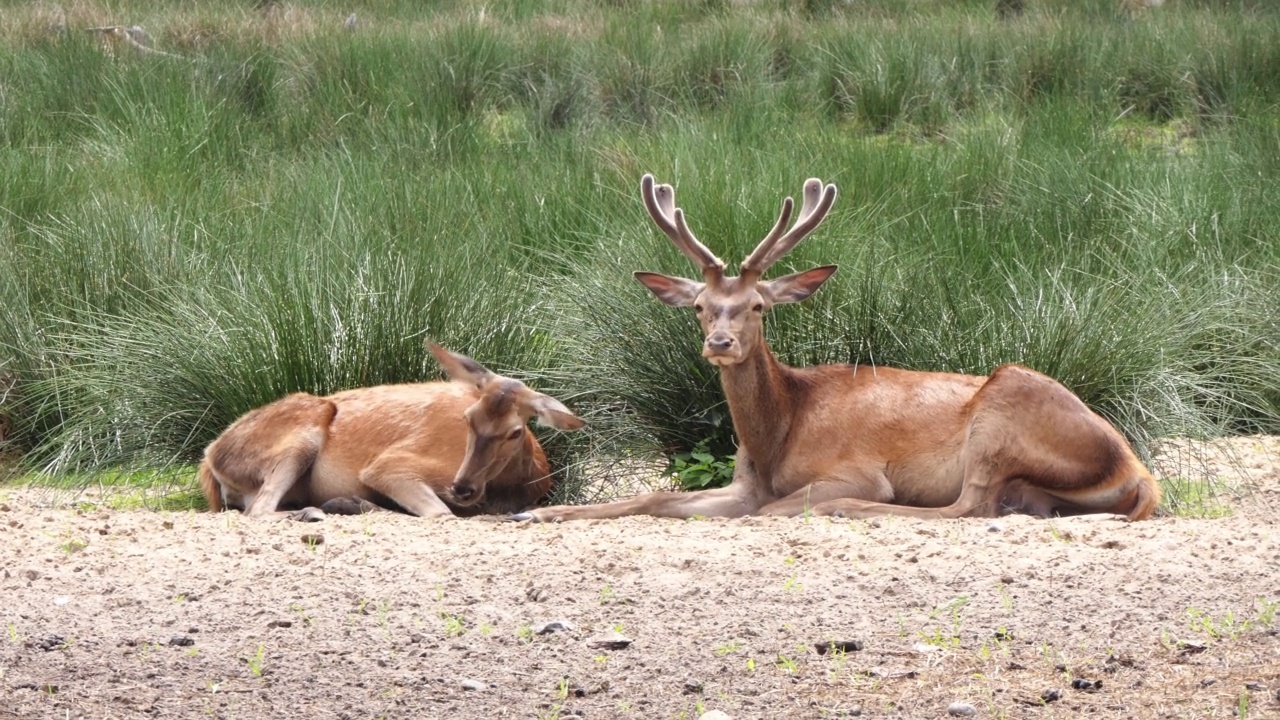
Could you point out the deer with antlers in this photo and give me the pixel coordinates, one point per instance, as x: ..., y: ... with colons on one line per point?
x: 429, y: 449
x: 860, y: 441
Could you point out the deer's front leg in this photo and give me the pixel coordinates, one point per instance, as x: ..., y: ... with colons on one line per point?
x: 409, y: 479
x: 863, y: 486
x: 732, y: 501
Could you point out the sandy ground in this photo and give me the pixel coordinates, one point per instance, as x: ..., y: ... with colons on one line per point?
x: 142, y: 614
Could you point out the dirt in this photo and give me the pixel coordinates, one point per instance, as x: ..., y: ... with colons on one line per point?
x: 112, y: 614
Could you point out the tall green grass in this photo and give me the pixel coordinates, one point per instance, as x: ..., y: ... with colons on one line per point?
x: 292, y: 206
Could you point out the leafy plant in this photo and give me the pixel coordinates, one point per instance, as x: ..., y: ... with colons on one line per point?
x: 255, y: 661
x: 699, y: 468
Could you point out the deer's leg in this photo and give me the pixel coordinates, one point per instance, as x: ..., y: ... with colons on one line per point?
x: 976, y: 500
x: 349, y: 506
x: 871, y: 488
x: 732, y: 501
x: 1042, y: 451
x: 259, y: 460
x: 408, y: 479
x: 1032, y: 446
x: 290, y: 465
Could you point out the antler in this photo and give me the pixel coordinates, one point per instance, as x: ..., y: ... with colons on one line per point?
x: 817, y: 203
x: 660, y: 201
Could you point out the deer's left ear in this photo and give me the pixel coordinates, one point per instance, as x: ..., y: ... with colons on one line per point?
x: 552, y: 412
x: 460, y: 367
x: 797, y: 286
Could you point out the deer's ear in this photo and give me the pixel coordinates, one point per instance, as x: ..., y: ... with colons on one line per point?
x: 553, y: 413
x: 797, y: 286
x: 674, y: 291
x: 460, y: 367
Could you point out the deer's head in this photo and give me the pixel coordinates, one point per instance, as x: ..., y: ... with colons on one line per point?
x: 731, y: 309
x: 497, y: 424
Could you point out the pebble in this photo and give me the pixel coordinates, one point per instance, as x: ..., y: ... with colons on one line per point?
x: 1086, y: 685
x: 715, y: 715
x: 609, y: 641
x: 995, y: 527
x: 554, y: 626
x: 469, y: 684
x: 52, y: 642
x: 312, y: 539
x: 692, y: 686
x: 838, y: 646
x: 181, y: 641
x: 961, y: 709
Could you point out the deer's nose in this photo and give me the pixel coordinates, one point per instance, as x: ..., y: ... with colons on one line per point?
x: 464, y: 490
x: 720, y: 342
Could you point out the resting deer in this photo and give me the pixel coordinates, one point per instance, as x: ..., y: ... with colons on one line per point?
x: 423, y: 446
x: 856, y: 440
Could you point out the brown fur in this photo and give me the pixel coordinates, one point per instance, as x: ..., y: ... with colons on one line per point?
x: 865, y: 441
x: 430, y: 449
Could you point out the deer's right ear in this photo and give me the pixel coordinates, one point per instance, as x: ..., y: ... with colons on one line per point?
x: 460, y: 367
x: 552, y: 413
x: 674, y: 291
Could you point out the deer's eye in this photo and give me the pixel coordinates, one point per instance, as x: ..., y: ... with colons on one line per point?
x: 515, y: 433
x: 758, y: 307
x: 697, y: 307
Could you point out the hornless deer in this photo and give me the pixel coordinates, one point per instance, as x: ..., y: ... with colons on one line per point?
x: 422, y: 446
x: 858, y: 441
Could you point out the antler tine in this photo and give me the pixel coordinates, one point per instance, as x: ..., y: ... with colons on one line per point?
x: 757, y: 255
x: 817, y: 203
x: 812, y: 194
x: 660, y: 201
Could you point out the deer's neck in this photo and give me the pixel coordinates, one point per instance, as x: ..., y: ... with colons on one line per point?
x: 762, y: 403
x: 532, y: 469
x: 535, y: 460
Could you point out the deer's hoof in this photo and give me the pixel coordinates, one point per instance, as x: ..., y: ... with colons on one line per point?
x: 349, y: 506
x: 307, y: 514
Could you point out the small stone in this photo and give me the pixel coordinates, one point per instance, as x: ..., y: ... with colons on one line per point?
x: 961, y: 709
x: 473, y: 685
x: 52, y: 642
x: 554, y: 626
x: 168, y: 524
x: 1086, y: 685
x: 1191, y: 647
x: 1253, y: 685
x: 995, y: 527
x: 844, y: 646
x: 1051, y: 695
x: 4, y: 507
x: 715, y: 715
x: 312, y: 539
x: 1208, y: 681
x: 692, y: 686
x: 609, y: 641
x: 280, y: 624
x: 32, y: 574
x: 181, y: 641
x: 581, y: 691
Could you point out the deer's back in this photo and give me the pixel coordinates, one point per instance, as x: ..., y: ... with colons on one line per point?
x: 419, y: 418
